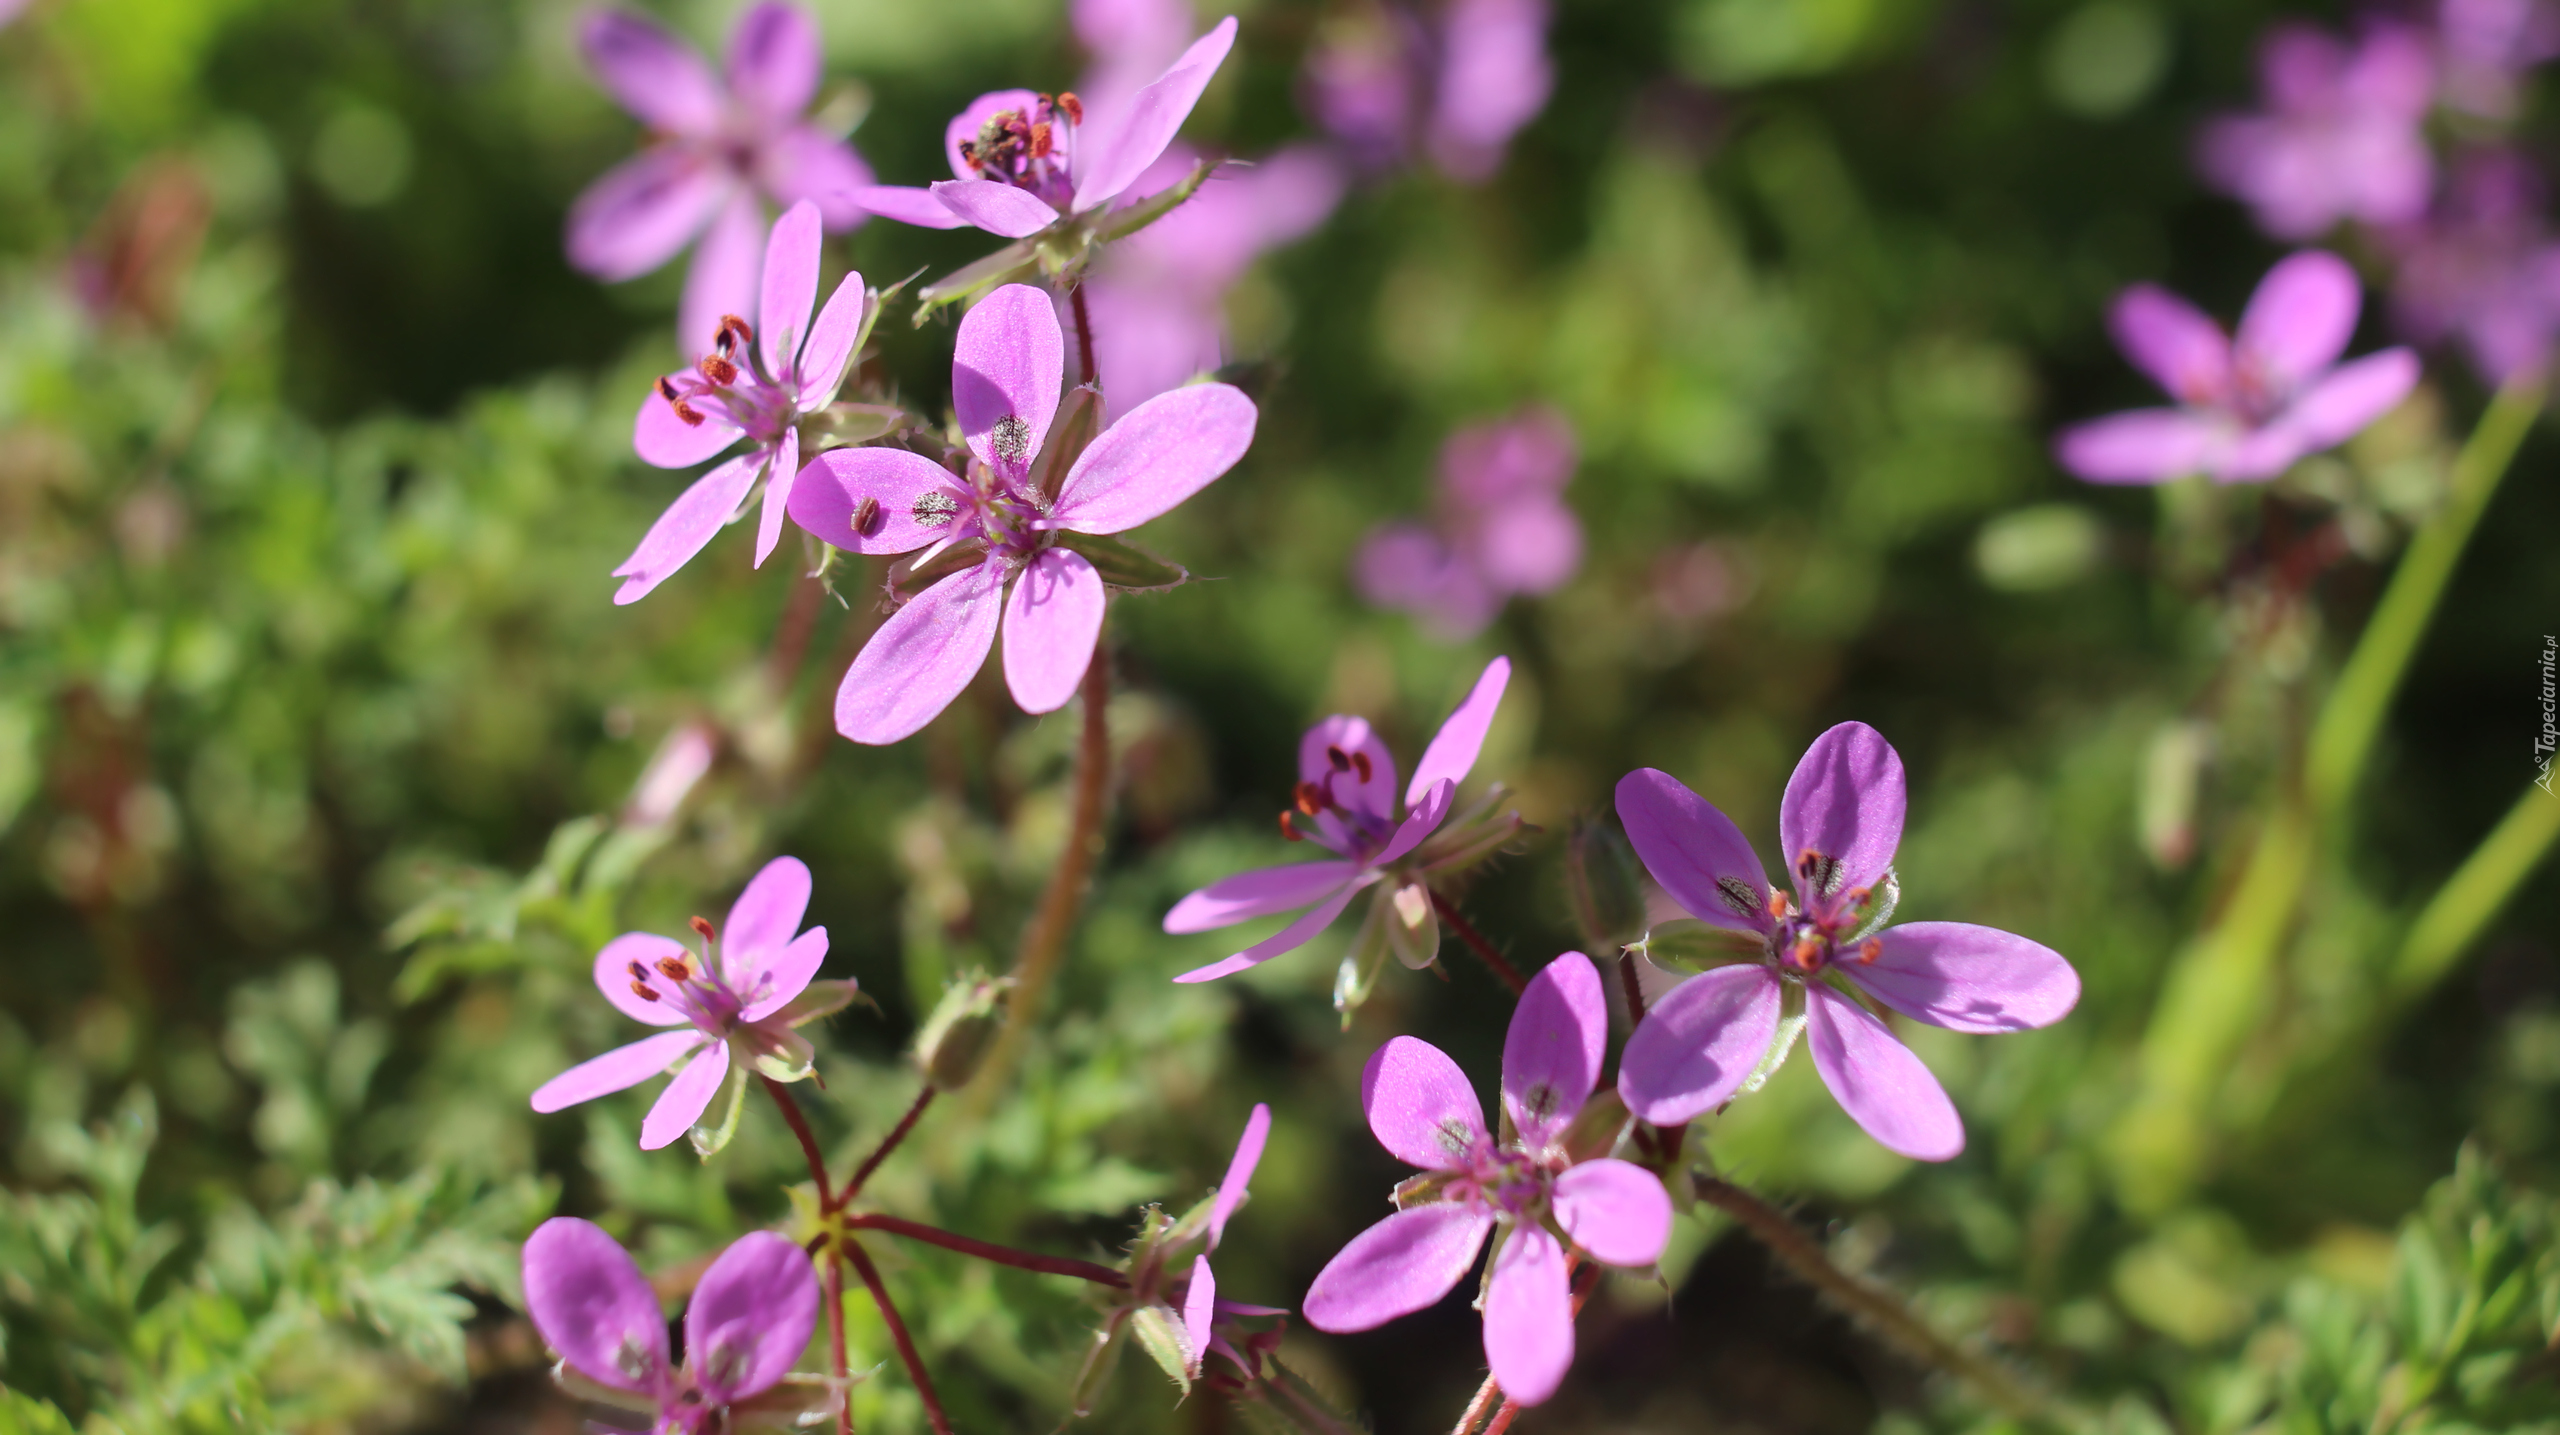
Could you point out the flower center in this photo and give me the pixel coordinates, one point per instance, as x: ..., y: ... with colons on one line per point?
x: 731, y: 382
x: 1351, y: 830
x: 690, y: 985
x: 1808, y: 942
x: 1009, y: 513
x: 1031, y: 149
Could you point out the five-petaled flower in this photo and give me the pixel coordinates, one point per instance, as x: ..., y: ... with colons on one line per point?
x: 1345, y: 801
x: 2248, y: 405
x: 1024, y: 162
x: 1006, y: 369
x: 724, y: 145
x: 1841, y: 819
x: 744, y: 1329
x: 1540, y: 1190
x: 2342, y: 136
x: 743, y: 992
x: 755, y: 386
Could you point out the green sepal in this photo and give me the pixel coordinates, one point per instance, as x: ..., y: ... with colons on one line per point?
x: 1125, y: 566
x: 708, y: 1140
x: 1100, y: 1364
x: 846, y: 424
x: 1687, y: 944
x: 823, y: 997
x: 1165, y: 1339
x: 1014, y: 262
x: 1070, y: 433
x: 784, y: 1055
x: 1156, y: 206
x: 1362, y: 963
x: 905, y: 582
x: 1413, y: 928
x: 1595, y: 1129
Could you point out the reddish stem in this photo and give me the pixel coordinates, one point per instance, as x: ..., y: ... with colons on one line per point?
x: 987, y: 1251
x: 1477, y: 943
x: 1634, y: 988
x: 838, y: 1365
x: 1486, y: 1395
x: 898, y: 1333
x: 808, y: 1141
x: 791, y: 636
x: 887, y: 1144
x: 1084, y: 336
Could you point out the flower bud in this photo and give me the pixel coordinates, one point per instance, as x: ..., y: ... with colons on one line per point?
x: 1602, y: 887
x: 962, y: 1028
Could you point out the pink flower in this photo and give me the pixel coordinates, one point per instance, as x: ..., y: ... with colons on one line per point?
x: 1345, y: 802
x: 723, y: 146
x: 1388, y: 83
x: 1842, y: 818
x: 1200, y: 1304
x: 1005, y: 374
x: 1022, y: 162
x: 1539, y: 1194
x: 2487, y: 46
x: 1503, y: 528
x: 2248, y: 407
x: 2342, y: 137
x: 745, y: 1000
x: 744, y: 1329
x: 2484, y: 268
x: 755, y: 386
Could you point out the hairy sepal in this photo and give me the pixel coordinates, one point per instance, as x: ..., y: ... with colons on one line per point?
x: 1687, y: 944
x: 823, y: 997
x: 1126, y: 566
x: 1156, y: 206
x: 1361, y: 964
x: 847, y: 424
x: 1162, y: 1335
x: 708, y: 1141
x: 1070, y: 434
x: 1012, y: 264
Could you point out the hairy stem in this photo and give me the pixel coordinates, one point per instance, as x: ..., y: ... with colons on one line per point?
x: 799, y: 1125
x: 898, y: 1333
x: 1477, y: 943
x: 1868, y: 1304
x: 1634, y: 988
x: 1084, y: 336
x: 880, y: 1153
x: 791, y: 635
x: 987, y: 1250
x: 1478, y: 1408
x: 838, y: 1365
x: 2475, y: 893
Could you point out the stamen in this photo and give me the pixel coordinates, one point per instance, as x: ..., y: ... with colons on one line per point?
x: 644, y: 991
x: 1288, y: 832
x: 1809, y: 863
x: 667, y: 389
x: 1073, y: 107
x: 639, y: 973
x: 692, y: 416
x: 1040, y: 140
x: 969, y: 154
x: 746, y: 332
x: 1360, y: 760
x: 1335, y: 755
x: 866, y: 517
x: 718, y: 370
x: 674, y: 969
x: 1777, y: 903
x: 1869, y: 950
x: 702, y: 929
x: 1311, y: 799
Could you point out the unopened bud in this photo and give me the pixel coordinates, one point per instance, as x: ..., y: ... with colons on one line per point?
x: 1602, y: 886
x: 962, y: 1028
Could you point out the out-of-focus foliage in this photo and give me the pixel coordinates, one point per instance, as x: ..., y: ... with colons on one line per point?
x: 326, y: 763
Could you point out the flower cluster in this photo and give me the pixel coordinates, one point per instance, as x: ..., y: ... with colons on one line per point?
x: 1502, y: 528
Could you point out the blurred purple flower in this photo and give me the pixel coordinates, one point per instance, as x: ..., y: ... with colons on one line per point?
x: 2483, y: 268
x: 1023, y: 161
x: 684, y: 757
x: 2485, y: 47
x: 1842, y: 818
x: 1502, y: 528
x: 2249, y: 406
x: 745, y: 1000
x: 1200, y: 1304
x: 1005, y: 374
x: 1387, y: 83
x: 745, y: 1327
x: 2340, y: 137
x: 1156, y: 297
x: 1345, y: 802
x: 1531, y: 1188
x: 752, y: 386
x: 723, y: 145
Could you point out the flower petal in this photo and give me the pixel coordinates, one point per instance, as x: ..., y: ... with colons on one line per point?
x: 1257, y: 893
x: 613, y: 975
x: 787, y: 975
x: 1844, y: 804
x: 1420, y: 1106
x: 589, y: 1301
x: 2299, y: 321
x: 996, y: 208
x: 687, y: 525
x: 921, y: 658
x: 1453, y: 749
x: 1052, y: 620
x: 1697, y: 1045
x: 1155, y: 115
x: 1966, y: 978
x: 1694, y: 851
x: 1199, y: 1310
x: 2142, y: 446
x: 1365, y: 788
x: 790, y: 286
x: 830, y: 346
x: 666, y: 441
x: 1288, y: 939
x: 620, y: 1069
x: 907, y: 204
x: 1528, y: 1316
x: 1877, y: 1080
x: 834, y: 484
x: 1421, y: 822
x: 723, y: 279
x: 1616, y: 1210
x: 1007, y: 363
x: 2348, y: 398
x: 799, y: 163
x: 751, y: 1317
x: 779, y: 479
x: 1156, y: 455
x: 1396, y: 1267
x: 660, y: 79
x: 1231, y: 1190
x: 1494, y: 78
x: 642, y: 211
x: 1551, y: 1055
x: 774, y: 61
x: 683, y: 1102
x: 2183, y: 351
x: 763, y: 919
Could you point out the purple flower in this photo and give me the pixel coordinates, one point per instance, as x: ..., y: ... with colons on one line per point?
x: 723, y: 145
x: 2487, y: 45
x: 1842, y: 818
x: 1387, y: 83
x: 1503, y: 528
x: 1532, y: 1188
x: 1023, y: 162
x: 1345, y: 802
x: 2484, y: 268
x: 744, y: 1329
x: 1200, y: 1304
x: 2341, y: 137
x: 1005, y: 374
x: 752, y: 386
x: 745, y: 1000
x: 2249, y: 406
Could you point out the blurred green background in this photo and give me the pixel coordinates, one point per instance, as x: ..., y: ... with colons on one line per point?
x: 318, y: 729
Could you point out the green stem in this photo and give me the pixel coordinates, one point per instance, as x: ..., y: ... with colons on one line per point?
x: 2474, y: 893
